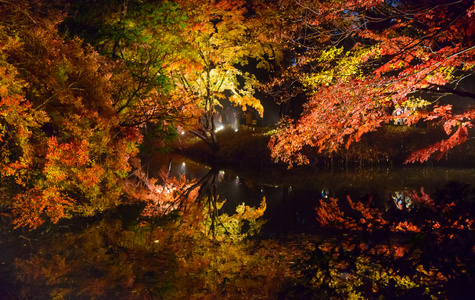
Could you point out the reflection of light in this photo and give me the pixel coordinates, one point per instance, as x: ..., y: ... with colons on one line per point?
x: 220, y: 175
x: 325, y: 193
x: 182, y: 169
x: 218, y: 128
x: 402, y: 200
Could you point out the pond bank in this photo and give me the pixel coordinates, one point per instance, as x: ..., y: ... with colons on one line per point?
x: 389, y: 146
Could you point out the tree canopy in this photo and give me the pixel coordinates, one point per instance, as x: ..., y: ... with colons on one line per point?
x: 217, y: 40
x: 63, y: 149
x: 365, y: 63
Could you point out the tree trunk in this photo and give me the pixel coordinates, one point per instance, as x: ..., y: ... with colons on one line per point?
x: 206, y: 132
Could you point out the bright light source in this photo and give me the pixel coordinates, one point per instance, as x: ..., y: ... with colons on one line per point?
x: 218, y: 128
x: 182, y: 133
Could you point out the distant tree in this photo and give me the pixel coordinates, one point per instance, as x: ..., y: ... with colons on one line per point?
x: 361, y: 61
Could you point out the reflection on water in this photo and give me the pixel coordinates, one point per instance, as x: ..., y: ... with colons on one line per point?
x: 393, y: 234
x: 426, y: 251
x: 291, y: 196
x: 402, y: 200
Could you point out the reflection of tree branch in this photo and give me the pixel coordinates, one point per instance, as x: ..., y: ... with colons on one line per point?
x: 208, y: 191
x: 429, y: 253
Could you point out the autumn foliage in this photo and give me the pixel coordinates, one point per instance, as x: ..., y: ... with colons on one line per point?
x: 215, y: 43
x: 156, y: 255
x: 63, y: 150
x: 365, y: 63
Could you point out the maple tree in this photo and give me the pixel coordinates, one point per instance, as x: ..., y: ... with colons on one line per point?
x: 139, y: 38
x: 63, y: 148
x: 73, y: 113
x: 182, y: 57
x: 218, y: 38
x: 365, y: 63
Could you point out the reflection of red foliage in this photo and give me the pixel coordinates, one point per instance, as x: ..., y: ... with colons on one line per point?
x: 162, y: 198
x: 407, y: 226
x: 329, y: 214
x: 424, y: 199
x: 424, y: 251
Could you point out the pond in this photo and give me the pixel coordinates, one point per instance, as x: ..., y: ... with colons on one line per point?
x: 292, y: 195
x: 350, y: 234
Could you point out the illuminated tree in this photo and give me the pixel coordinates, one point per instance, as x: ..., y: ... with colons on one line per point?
x: 139, y: 37
x: 181, y: 56
x: 71, y: 117
x: 219, y: 38
x: 63, y: 149
x: 365, y: 63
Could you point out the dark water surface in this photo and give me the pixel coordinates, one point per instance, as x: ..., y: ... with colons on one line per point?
x: 292, y: 195
x: 391, y: 246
